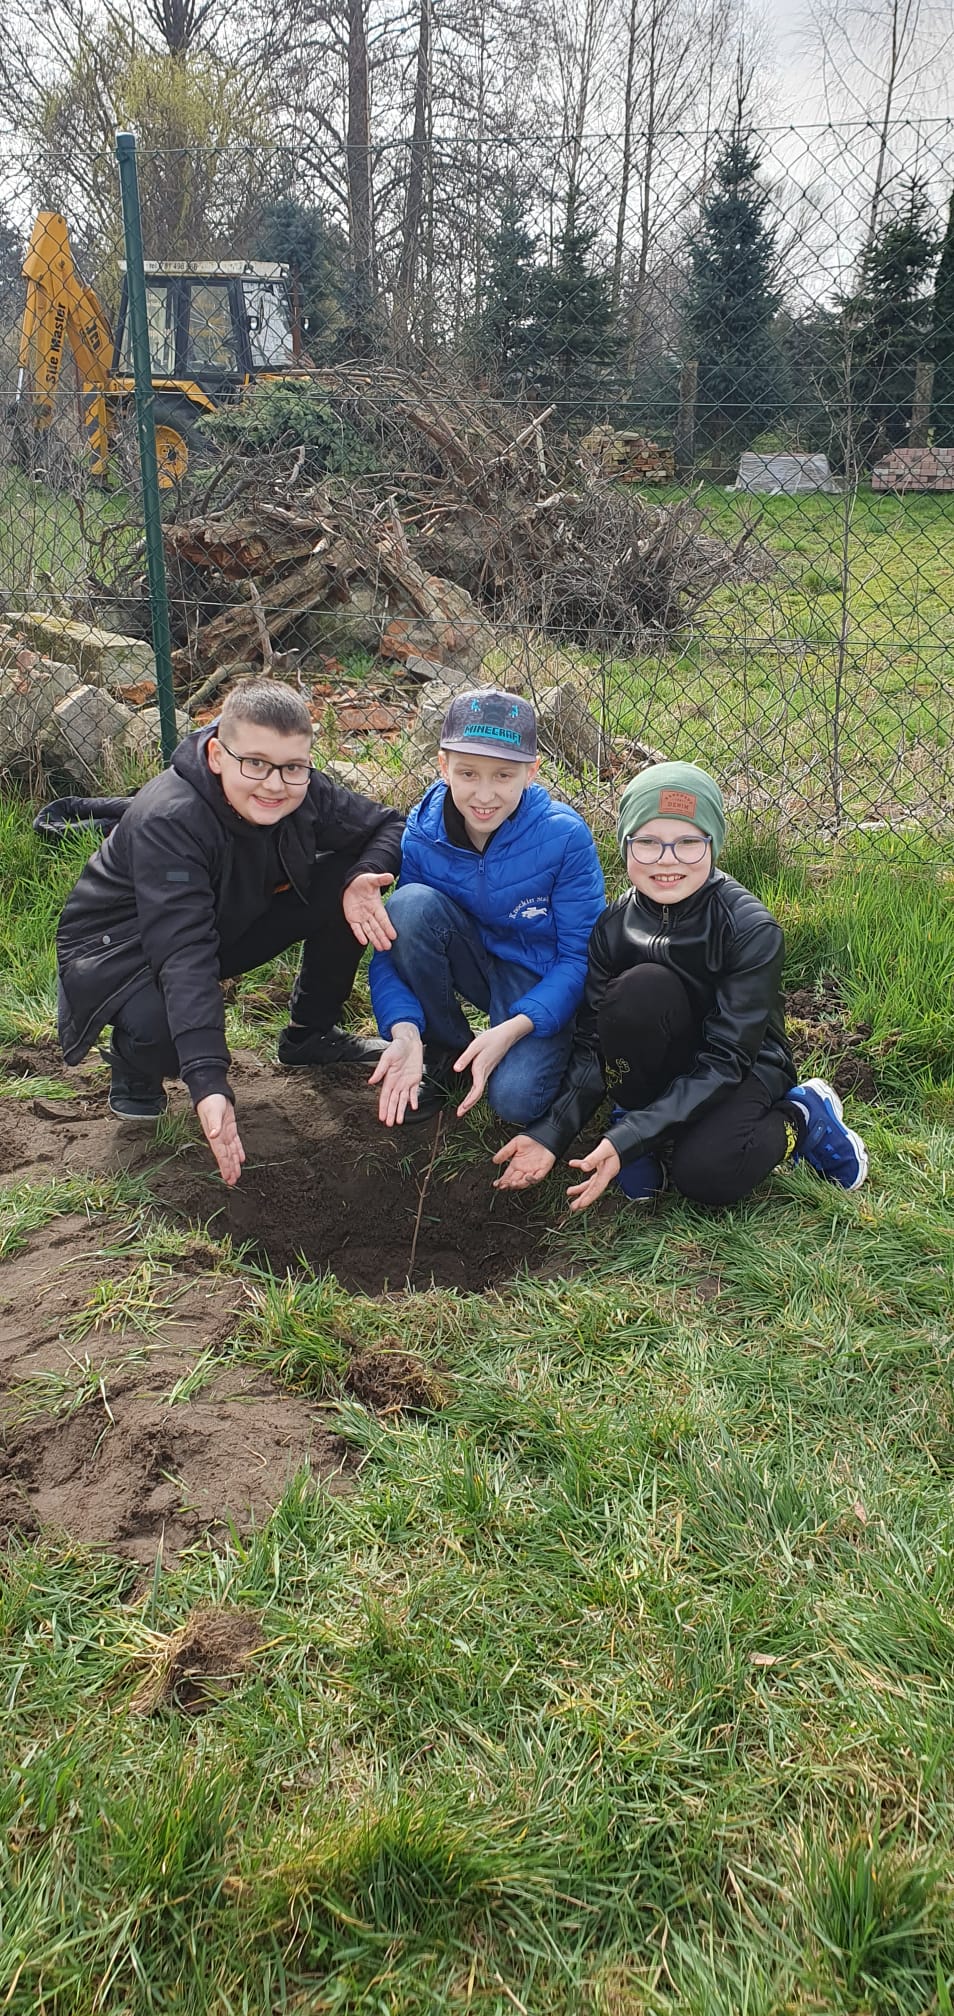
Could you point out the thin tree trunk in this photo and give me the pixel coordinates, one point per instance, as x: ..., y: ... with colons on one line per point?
x: 626, y: 164
x: 638, y: 311
x: 479, y: 164
x: 360, y: 208
x: 414, y: 202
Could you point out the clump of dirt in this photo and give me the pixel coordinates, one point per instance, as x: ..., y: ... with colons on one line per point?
x: 817, y: 1025
x: 391, y: 1381
x: 197, y: 1665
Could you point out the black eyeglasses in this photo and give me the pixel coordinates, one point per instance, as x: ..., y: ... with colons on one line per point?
x: 257, y: 770
x: 688, y: 850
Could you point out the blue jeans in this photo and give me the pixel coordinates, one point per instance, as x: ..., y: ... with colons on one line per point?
x: 440, y: 955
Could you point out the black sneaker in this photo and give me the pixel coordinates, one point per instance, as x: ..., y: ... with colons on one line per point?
x: 132, y: 1096
x: 330, y: 1046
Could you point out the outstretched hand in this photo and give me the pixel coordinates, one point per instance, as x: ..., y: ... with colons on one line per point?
x: 399, y: 1071
x: 365, y: 912
x: 527, y: 1162
x: 487, y: 1050
x: 603, y: 1164
x: 218, y: 1124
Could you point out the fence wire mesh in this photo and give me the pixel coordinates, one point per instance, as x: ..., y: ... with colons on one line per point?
x: 660, y: 435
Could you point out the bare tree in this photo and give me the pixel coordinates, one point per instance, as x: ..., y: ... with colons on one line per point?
x: 417, y: 174
x: 675, y: 53
x: 880, y: 60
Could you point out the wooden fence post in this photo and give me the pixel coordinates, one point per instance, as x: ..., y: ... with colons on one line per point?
x: 686, y: 422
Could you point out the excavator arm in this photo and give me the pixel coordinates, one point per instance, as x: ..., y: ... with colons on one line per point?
x: 61, y: 310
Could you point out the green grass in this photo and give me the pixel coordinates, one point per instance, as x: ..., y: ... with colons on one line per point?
x: 51, y: 534
x: 621, y: 1683
x: 825, y: 681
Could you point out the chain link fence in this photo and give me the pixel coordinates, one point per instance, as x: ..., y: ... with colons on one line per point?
x: 662, y: 438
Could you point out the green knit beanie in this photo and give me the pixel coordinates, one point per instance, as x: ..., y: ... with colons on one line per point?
x: 672, y: 791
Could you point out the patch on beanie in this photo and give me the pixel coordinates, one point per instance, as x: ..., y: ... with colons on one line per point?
x: 682, y: 804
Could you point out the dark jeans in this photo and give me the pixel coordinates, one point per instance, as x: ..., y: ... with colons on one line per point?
x: 646, y: 1024
x: 329, y: 962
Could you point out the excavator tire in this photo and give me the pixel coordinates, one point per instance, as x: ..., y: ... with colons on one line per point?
x: 180, y: 443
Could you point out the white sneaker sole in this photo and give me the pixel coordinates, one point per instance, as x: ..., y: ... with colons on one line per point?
x: 136, y: 1119
x: 826, y: 1091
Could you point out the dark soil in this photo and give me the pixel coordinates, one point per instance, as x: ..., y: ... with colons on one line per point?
x: 119, y: 1465
x: 324, y: 1183
x: 388, y: 1380
x: 818, y: 1029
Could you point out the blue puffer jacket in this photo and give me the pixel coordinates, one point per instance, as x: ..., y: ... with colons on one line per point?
x: 535, y: 893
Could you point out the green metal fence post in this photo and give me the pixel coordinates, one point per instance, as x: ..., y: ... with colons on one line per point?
x: 142, y: 379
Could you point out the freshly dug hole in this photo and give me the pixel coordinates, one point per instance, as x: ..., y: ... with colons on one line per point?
x: 360, y: 1223
x: 326, y: 1185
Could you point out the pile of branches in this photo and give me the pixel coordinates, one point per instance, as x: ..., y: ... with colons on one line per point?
x: 464, y: 490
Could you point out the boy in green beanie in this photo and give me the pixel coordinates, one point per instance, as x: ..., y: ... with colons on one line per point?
x: 683, y: 1003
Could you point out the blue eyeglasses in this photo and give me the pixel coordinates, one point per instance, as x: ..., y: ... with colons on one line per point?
x: 688, y: 850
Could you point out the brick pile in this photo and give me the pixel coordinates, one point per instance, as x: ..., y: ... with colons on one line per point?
x: 915, y: 469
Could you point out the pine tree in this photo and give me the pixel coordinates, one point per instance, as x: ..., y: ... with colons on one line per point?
x: 943, y: 406
x: 317, y: 253
x: 732, y: 303
x: 576, y: 340
x: 886, y: 326
x: 506, y: 330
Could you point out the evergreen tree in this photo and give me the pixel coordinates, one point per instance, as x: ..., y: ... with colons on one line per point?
x: 297, y: 235
x: 943, y: 406
x: 732, y: 303
x: 576, y: 340
x: 12, y: 249
x: 885, y: 327
x: 506, y: 329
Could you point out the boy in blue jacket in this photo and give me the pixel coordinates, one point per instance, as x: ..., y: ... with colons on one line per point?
x: 499, y: 890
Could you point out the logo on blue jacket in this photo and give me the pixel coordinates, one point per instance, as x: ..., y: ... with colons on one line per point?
x: 530, y: 908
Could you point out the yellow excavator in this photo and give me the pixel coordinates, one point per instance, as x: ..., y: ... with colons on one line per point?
x: 214, y: 329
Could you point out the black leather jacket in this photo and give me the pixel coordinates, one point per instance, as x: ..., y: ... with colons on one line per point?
x: 728, y: 952
x: 180, y: 873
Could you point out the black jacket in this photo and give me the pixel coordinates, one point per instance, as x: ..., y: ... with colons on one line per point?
x: 181, y: 874
x: 728, y: 952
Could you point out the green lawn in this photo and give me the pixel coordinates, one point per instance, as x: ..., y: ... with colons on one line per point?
x: 825, y: 685
x: 623, y: 1681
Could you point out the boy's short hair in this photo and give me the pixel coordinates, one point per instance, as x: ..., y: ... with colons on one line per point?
x: 266, y: 703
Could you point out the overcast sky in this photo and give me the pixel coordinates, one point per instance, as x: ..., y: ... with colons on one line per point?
x: 798, y: 95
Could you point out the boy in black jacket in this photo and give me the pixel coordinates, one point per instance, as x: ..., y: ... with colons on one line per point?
x: 238, y: 851
x: 683, y: 996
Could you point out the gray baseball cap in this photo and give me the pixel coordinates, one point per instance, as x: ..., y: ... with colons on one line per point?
x: 491, y: 723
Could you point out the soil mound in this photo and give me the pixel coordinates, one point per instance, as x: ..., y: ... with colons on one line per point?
x: 816, y: 1022
x: 193, y: 1667
x: 139, y: 1441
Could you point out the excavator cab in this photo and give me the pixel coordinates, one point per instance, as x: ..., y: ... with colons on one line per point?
x: 213, y: 330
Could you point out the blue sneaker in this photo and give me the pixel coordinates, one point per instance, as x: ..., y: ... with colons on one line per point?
x: 828, y: 1146
x: 642, y: 1179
